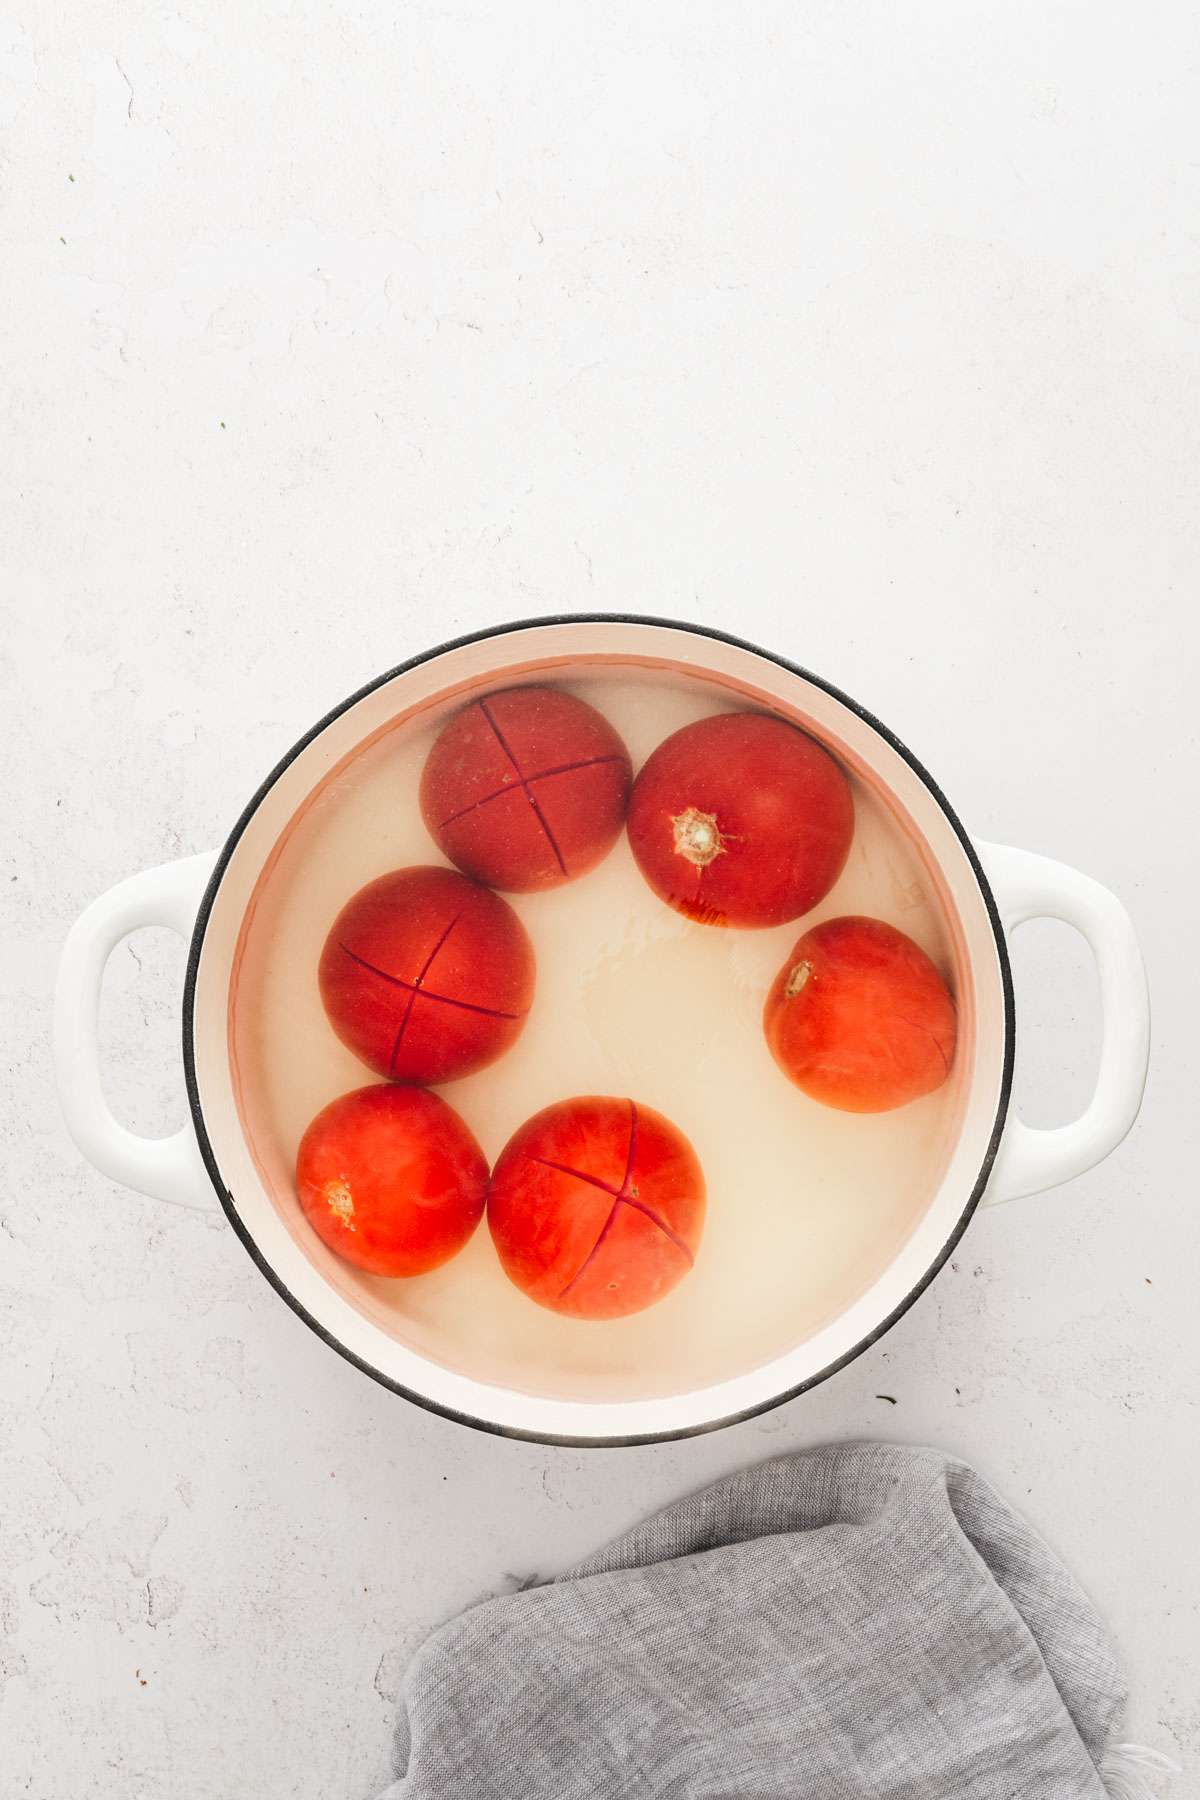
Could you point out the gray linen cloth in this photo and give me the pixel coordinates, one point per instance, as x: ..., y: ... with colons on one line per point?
x: 860, y: 1620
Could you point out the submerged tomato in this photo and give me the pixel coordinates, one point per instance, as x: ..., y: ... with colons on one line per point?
x: 526, y: 788
x: 427, y: 976
x: 741, y: 819
x: 596, y: 1207
x: 391, y: 1179
x: 860, y: 1018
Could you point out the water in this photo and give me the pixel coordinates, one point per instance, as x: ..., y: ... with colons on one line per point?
x: 807, y: 1206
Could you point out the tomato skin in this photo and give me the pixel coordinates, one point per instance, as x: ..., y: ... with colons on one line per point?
x: 526, y: 788
x: 741, y: 819
x: 859, y: 1017
x: 426, y: 976
x: 391, y: 1179
x: 596, y: 1207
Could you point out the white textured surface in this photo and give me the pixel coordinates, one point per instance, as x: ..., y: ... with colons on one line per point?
x: 331, y: 331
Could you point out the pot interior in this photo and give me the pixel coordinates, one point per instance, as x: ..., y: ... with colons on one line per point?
x: 813, y: 1214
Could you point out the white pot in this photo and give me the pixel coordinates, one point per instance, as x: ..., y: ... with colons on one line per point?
x: 985, y: 891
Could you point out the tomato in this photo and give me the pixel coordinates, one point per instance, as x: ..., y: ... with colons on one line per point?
x: 741, y: 820
x: 427, y: 976
x: 596, y: 1207
x: 391, y: 1179
x: 526, y: 788
x: 860, y: 1018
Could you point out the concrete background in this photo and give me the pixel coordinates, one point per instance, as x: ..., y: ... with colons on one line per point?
x: 332, y: 331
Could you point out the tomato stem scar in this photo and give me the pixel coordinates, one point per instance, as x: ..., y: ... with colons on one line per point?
x: 798, y: 978
x: 341, y: 1203
x: 697, y: 836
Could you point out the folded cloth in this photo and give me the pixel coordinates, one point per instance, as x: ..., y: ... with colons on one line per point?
x: 860, y: 1620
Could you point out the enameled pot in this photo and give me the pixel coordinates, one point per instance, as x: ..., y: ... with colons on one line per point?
x: 985, y: 891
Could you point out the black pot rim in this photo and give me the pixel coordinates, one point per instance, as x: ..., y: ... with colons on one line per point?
x: 272, y: 1275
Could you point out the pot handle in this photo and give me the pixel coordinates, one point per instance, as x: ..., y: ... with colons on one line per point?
x: 168, y: 1168
x: 1027, y: 886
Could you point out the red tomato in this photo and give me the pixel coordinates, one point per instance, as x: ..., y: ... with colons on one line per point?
x: 859, y: 1017
x: 596, y: 1207
x: 741, y: 819
x: 526, y: 788
x: 426, y: 975
x: 391, y: 1179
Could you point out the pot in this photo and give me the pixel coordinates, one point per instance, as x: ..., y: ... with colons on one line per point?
x: 983, y: 892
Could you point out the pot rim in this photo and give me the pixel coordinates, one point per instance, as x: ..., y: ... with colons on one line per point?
x: 266, y: 1268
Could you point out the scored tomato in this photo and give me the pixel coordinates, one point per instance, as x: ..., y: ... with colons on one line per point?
x: 526, y: 788
x: 596, y: 1207
x: 427, y: 976
x: 741, y: 819
x: 391, y: 1179
x: 860, y: 1018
